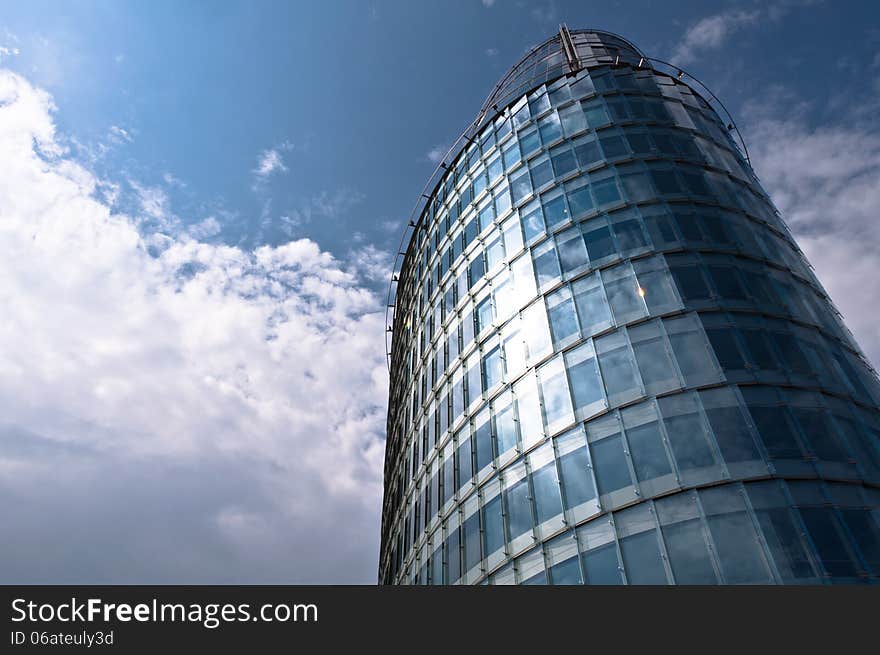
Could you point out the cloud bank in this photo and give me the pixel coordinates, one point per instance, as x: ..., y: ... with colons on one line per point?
x: 173, y: 410
x: 825, y: 180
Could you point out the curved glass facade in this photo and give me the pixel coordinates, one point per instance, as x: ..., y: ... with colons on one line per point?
x: 612, y: 364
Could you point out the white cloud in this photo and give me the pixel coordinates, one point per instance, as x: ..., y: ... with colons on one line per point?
x: 271, y: 161
x: 171, y: 180
x: 201, y: 414
x: 713, y: 31
x: 119, y: 135
x: 435, y: 154
x: 8, y: 51
x: 710, y: 33
x: 488, y: 3
x: 491, y: 52
x: 205, y: 228
x: 155, y: 206
x: 545, y: 14
x: 825, y: 180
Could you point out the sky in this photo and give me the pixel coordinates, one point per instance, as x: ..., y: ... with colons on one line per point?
x: 199, y: 207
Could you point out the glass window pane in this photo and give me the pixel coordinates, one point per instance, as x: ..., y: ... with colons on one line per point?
x: 685, y: 540
x: 592, y: 307
x: 555, y: 209
x: 546, y: 264
x: 484, y: 315
x: 820, y: 434
x: 579, y: 199
x: 452, y: 549
x: 833, y: 553
x: 688, y: 437
x: 585, y: 381
x: 572, y: 119
x: 561, y: 312
x: 533, y: 220
x: 641, y: 559
x: 563, y: 161
x: 736, y: 542
x: 728, y: 423
x: 863, y: 525
x: 624, y: 293
x: 449, y: 483
x: 472, y: 546
x: 691, y: 350
x: 511, y: 155
x: 690, y: 282
x: 726, y: 349
x: 617, y: 366
x: 542, y: 171
x: 628, y: 232
x: 606, y: 191
x: 776, y: 431
x: 531, y: 568
x: 597, y: 238
x: 613, y: 146
x: 587, y: 152
x: 505, y: 423
x: 520, y: 186
x: 572, y: 251
x: 594, y: 111
x: 656, y: 285
x: 529, y: 142
x: 655, y: 365
x: 550, y: 128
x: 493, y: 528
x: 645, y: 442
x: 528, y: 410
x: 786, y: 546
x: 536, y: 331
x: 547, y: 501
x: 493, y: 368
x: 519, y: 509
x: 483, y: 439
x: 599, y: 553
x: 465, y: 462
x: 575, y: 469
x: 556, y: 397
x: 609, y: 459
x: 636, y: 186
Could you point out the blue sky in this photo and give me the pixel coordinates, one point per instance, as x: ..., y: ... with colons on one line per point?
x: 202, y: 196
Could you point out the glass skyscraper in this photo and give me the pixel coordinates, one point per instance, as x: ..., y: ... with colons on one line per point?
x: 610, y: 361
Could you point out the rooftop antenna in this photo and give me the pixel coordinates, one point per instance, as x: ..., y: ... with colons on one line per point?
x: 574, y: 63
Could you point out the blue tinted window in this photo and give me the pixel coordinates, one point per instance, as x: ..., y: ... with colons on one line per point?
x: 601, y: 566
x: 452, y: 550
x: 542, y: 172
x: 533, y: 221
x: 612, y: 472
x: 547, y: 501
x: 546, y: 264
x: 577, y: 479
x: 587, y: 153
x: 833, y: 553
x: 580, y: 201
x: 471, y: 534
x: 519, y: 509
x: 641, y: 559
x: 555, y: 211
x: 493, y: 530
x: 648, y: 454
x: 606, y: 191
x: 599, y: 243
